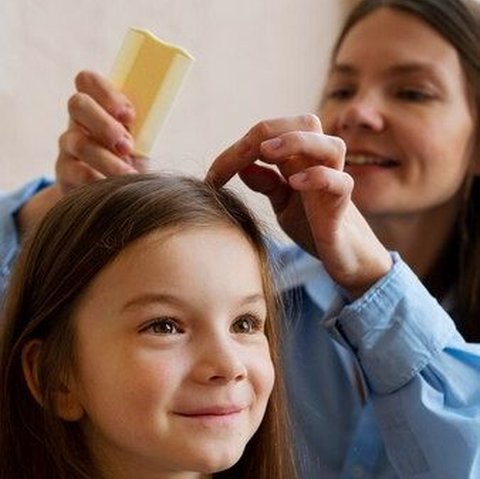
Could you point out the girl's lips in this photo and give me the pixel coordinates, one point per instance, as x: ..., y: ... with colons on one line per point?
x: 212, y: 411
x: 213, y: 416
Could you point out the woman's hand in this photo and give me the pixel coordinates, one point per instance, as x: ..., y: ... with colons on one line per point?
x: 345, y: 243
x: 310, y: 194
x: 97, y: 142
x: 269, y: 141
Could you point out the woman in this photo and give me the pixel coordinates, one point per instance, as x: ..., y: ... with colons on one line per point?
x: 403, y: 93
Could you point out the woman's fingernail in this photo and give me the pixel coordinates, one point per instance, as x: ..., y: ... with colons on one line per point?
x: 272, y: 144
x: 130, y: 162
x: 299, y: 177
x: 124, y: 146
x: 126, y: 115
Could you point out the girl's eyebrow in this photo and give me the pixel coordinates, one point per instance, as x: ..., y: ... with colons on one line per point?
x: 253, y: 298
x: 161, y: 298
x: 151, y: 298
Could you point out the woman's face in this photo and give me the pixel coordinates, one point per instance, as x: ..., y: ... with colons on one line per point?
x: 173, y: 368
x: 398, y: 97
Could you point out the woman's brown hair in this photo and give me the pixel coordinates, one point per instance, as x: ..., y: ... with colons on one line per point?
x: 458, y: 22
x: 76, y: 239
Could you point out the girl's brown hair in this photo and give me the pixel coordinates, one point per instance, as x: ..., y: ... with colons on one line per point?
x: 458, y: 22
x: 76, y: 239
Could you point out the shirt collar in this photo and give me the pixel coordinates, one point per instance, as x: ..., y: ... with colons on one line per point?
x: 299, y: 269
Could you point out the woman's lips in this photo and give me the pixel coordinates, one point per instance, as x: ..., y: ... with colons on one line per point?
x: 369, y: 160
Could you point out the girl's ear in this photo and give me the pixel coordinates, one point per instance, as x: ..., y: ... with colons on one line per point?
x: 67, y: 404
x: 30, y: 354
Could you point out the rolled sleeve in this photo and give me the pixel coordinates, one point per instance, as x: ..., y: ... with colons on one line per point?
x: 10, y: 203
x: 395, y: 329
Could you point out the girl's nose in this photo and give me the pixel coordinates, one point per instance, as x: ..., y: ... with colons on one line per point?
x: 220, y: 361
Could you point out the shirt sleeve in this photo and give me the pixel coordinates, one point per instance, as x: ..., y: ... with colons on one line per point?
x: 10, y: 203
x: 423, y: 377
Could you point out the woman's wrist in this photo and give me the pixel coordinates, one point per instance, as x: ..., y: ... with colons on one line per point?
x: 370, y: 272
x: 36, y: 207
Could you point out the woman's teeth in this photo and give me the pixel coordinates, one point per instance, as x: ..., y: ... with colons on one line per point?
x: 368, y: 160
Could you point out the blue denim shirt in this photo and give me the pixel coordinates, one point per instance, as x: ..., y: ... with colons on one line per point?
x: 9, y: 239
x: 381, y: 387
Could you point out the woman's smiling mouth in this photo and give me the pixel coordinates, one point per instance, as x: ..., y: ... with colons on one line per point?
x: 369, y: 160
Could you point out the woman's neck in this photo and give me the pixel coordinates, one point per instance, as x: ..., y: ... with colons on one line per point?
x: 424, y: 242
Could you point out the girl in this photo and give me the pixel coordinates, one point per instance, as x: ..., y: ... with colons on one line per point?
x: 140, y: 340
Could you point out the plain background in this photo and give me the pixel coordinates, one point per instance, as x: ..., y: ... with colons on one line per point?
x: 255, y: 59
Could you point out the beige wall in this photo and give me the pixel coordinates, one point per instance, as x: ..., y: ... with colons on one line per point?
x: 255, y: 59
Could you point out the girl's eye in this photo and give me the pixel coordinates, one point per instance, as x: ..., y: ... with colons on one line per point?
x: 163, y: 326
x: 247, y: 324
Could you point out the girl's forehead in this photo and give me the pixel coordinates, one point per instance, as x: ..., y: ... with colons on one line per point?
x: 186, y: 240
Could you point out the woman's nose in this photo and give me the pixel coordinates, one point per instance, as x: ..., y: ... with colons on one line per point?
x: 361, y: 114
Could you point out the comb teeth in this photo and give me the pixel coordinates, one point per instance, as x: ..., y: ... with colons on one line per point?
x: 150, y: 73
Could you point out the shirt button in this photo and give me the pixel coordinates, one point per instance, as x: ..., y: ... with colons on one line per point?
x: 358, y: 472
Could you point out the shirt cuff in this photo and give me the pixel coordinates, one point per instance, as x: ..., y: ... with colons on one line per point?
x: 394, y: 329
x: 10, y: 204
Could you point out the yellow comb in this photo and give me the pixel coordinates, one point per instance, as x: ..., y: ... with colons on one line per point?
x: 150, y: 72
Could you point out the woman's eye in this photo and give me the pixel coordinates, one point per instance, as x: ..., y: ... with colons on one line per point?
x: 163, y: 326
x: 413, y: 95
x: 247, y: 324
x: 343, y: 93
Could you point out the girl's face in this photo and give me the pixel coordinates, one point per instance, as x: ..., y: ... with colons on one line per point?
x: 173, y: 369
x: 397, y: 95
